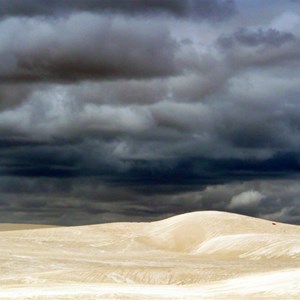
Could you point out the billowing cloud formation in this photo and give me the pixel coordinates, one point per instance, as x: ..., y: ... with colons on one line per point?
x: 204, y: 9
x: 122, y: 110
x: 83, y: 46
x: 260, y: 48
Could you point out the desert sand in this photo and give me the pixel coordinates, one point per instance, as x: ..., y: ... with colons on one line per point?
x: 13, y: 227
x: 200, y: 255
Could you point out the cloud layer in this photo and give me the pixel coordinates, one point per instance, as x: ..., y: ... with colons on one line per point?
x: 83, y: 46
x: 131, y: 110
x: 203, y: 9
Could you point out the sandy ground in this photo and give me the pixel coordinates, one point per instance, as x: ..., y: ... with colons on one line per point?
x: 201, y: 255
x: 13, y: 227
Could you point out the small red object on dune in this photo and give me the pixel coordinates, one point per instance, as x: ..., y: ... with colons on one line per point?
x: 273, y: 223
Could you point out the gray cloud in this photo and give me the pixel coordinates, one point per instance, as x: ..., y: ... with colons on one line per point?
x: 11, y: 95
x: 154, y: 127
x: 84, y: 46
x: 270, y: 37
x: 116, y: 111
x: 203, y: 9
x: 261, y: 48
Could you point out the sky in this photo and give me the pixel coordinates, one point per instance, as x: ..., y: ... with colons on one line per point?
x: 137, y: 110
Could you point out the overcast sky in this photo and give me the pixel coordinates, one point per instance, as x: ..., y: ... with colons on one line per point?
x: 131, y: 110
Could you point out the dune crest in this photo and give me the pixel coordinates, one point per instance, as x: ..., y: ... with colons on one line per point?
x: 205, y: 252
x: 189, y: 231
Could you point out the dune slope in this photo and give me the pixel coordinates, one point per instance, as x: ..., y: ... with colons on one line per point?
x: 201, y: 254
x: 13, y: 227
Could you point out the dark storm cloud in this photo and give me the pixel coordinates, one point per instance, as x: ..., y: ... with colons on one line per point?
x: 246, y: 48
x: 73, y: 202
x: 70, y: 161
x: 113, y: 110
x: 246, y: 127
x: 84, y: 46
x: 245, y: 37
x: 162, y: 129
x: 203, y: 9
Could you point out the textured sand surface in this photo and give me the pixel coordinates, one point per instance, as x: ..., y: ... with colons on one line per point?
x: 201, y: 255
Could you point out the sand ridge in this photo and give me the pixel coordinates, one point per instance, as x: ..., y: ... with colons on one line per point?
x: 201, y: 252
x: 15, y: 227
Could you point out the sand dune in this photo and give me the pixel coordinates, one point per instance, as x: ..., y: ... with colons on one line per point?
x: 191, y: 256
x: 13, y: 227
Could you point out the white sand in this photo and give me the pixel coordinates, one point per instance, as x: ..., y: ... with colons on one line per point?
x: 210, y: 255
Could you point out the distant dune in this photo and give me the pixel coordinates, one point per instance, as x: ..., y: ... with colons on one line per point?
x: 13, y: 227
x: 209, y: 255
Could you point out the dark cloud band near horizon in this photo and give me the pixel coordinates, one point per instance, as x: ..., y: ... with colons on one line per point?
x: 138, y: 110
